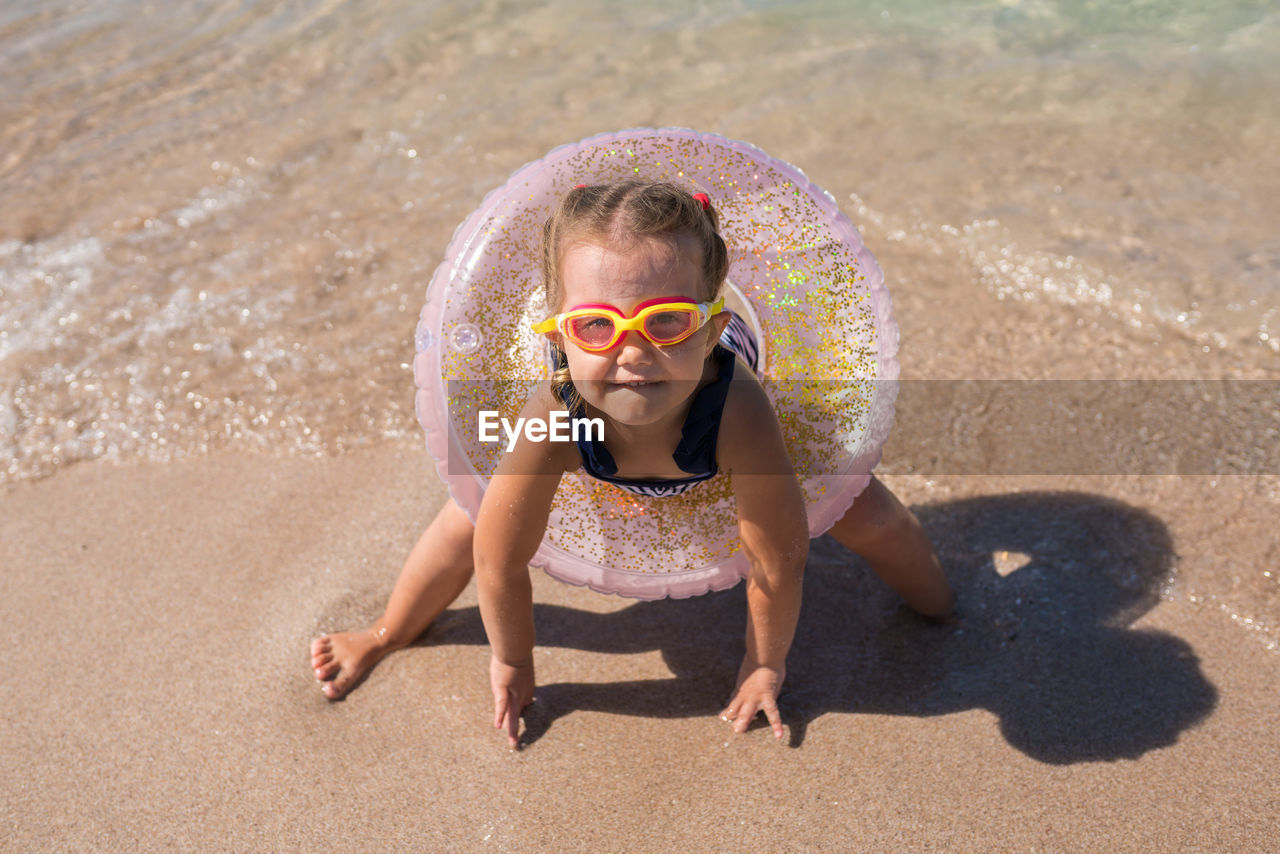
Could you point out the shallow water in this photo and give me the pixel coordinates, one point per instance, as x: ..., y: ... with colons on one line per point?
x: 219, y: 218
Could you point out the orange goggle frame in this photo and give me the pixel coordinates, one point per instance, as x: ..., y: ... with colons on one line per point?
x: 664, y: 321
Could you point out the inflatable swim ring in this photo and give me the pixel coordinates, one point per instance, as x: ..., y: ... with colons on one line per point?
x: 798, y: 273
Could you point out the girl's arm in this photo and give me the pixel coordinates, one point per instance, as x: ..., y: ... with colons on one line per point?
x: 509, y: 527
x: 775, y: 534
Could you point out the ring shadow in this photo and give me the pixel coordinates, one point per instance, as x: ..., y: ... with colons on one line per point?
x: 1047, y: 586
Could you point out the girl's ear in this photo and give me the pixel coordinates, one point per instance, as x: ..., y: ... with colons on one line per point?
x: 716, y: 325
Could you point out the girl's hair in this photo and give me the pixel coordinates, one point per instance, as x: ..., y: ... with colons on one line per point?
x: 612, y: 213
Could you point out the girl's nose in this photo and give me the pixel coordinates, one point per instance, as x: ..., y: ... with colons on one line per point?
x: 633, y: 348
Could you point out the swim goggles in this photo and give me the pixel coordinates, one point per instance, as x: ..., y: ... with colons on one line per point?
x: 664, y: 321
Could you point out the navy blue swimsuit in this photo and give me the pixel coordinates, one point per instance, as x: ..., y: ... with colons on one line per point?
x: 696, y: 452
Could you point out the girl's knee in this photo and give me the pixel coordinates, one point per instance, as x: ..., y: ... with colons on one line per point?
x: 876, y: 520
x: 451, y: 533
x: 456, y: 520
x: 882, y: 532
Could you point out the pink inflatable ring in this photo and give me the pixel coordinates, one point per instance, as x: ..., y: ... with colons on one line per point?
x: 798, y: 273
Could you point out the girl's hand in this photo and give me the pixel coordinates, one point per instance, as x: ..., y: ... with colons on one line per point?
x: 757, y: 691
x: 512, y: 691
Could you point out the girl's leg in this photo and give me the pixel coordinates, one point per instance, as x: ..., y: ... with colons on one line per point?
x: 436, y: 572
x: 889, y: 537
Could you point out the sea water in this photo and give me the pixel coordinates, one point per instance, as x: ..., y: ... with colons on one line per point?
x: 218, y: 218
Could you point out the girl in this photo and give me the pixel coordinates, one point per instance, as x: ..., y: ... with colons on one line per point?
x: 634, y: 272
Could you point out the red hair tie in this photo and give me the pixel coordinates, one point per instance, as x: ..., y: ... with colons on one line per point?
x: 579, y: 186
x: 703, y: 200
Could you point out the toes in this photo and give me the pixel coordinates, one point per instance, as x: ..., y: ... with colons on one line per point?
x: 339, y: 661
x: 335, y: 689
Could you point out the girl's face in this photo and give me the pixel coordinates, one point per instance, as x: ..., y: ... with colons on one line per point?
x: 636, y: 382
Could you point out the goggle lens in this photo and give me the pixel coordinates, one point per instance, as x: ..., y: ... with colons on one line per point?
x: 668, y: 326
x: 591, y: 330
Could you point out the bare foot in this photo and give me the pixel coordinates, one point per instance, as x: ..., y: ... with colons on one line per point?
x: 341, y: 660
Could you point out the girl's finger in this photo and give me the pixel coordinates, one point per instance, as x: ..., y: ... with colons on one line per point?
x: 775, y: 719
x: 499, y: 709
x: 748, y: 712
x: 513, y: 717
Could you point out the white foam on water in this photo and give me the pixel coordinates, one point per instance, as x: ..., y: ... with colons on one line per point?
x: 1008, y: 272
x: 41, y: 291
x: 1259, y: 629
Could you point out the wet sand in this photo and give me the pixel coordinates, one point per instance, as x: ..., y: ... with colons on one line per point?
x: 156, y: 692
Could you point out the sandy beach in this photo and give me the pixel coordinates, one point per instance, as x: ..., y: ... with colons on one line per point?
x: 217, y: 225
x: 157, y: 694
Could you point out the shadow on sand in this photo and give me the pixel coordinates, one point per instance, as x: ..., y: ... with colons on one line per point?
x: 1047, y: 586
